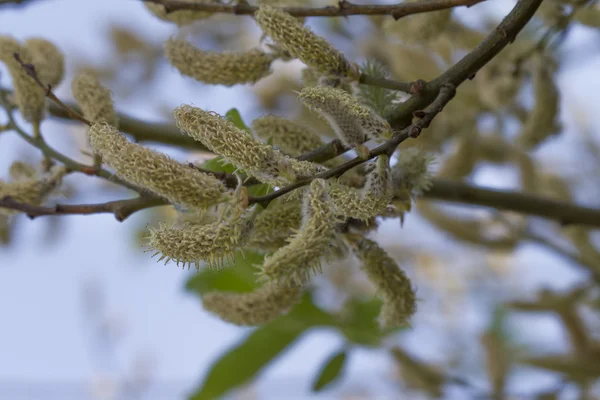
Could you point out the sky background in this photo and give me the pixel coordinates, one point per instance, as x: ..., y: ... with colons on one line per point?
x: 48, y: 349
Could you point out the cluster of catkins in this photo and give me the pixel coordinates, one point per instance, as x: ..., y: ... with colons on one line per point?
x: 296, y: 231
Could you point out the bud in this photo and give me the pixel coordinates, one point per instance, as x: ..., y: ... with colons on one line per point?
x: 179, y: 17
x: 276, y: 224
x: 30, y: 189
x: 28, y: 95
x: 155, y: 171
x: 300, y: 42
x: 226, y: 69
x: 213, y: 243
x: 237, y: 146
x: 94, y: 99
x: 49, y: 61
x: 369, y: 201
x: 393, y: 286
x: 288, y: 136
x: 294, y: 263
x: 254, y: 308
x: 352, y: 122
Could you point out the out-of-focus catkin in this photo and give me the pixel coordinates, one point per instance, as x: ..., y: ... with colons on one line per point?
x: 179, y: 17
x: 226, y: 69
x: 28, y: 95
x: 411, y: 175
x: 369, y: 201
x: 352, y: 122
x: 48, y: 60
x: 94, y: 99
x: 542, y: 121
x: 257, y: 159
x: 154, y: 171
x: 27, y: 187
x: 214, y: 243
x: 276, y: 224
x: 294, y: 263
x: 418, y: 28
x: 288, y: 136
x: 394, y: 287
x: 253, y: 308
x: 300, y: 42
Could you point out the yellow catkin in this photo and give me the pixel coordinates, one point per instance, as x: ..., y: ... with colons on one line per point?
x: 30, y: 189
x: 94, y: 99
x: 288, y: 136
x: 226, y: 69
x: 179, y: 17
x: 295, y: 262
x: 418, y: 28
x: 369, y: 201
x: 300, y: 42
x: 19, y: 171
x: 276, y: 224
x: 49, y: 61
x: 28, y: 95
x: 213, y: 243
x: 253, y: 308
x: 394, y: 287
x: 542, y: 121
x: 255, y: 158
x: 154, y: 171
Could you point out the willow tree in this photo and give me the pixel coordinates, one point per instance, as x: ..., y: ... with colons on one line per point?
x: 389, y: 128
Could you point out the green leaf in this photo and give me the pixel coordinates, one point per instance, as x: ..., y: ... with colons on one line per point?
x: 217, y: 164
x: 359, y: 322
x: 242, y: 363
x: 261, y: 189
x: 330, y: 372
x: 235, y: 118
x: 239, y: 278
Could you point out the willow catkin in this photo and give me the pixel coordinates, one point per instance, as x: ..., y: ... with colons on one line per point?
x: 226, y: 69
x: 411, y: 175
x: 288, y: 136
x: 179, y: 17
x: 214, y: 243
x: 393, y: 286
x: 542, y: 121
x: 352, y: 122
x: 300, y: 42
x: 253, y: 308
x: 255, y: 158
x: 369, y: 201
x: 294, y: 263
x: 94, y: 99
x: 48, y: 60
x: 419, y: 28
x: 28, y: 95
x: 31, y: 189
x: 20, y: 171
x: 155, y: 171
x: 276, y: 224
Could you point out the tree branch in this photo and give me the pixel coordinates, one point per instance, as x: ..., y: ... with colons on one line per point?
x: 343, y: 9
x: 121, y: 209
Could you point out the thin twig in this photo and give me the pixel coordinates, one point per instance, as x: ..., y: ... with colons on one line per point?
x: 121, y: 209
x: 343, y: 9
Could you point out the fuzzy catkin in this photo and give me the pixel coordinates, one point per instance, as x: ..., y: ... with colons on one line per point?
x: 179, y: 17
x: 94, y: 99
x: 369, y: 201
x: 276, y: 224
x: 31, y: 189
x: 213, y: 243
x: 352, y: 122
x: 49, y: 61
x: 154, y: 171
x: 253, y: 308
x: 28, y: 95
x: 393, y: 286
x: 257, y: 159
x: 226, y: 69
x: 300, y: 42
x: 294, y: 263
x: 288, y: 136
x: 411, y: 175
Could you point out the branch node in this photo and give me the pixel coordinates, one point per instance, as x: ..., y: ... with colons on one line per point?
x: 417, y: 87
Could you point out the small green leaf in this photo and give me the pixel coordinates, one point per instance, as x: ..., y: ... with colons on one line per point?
x: 218, y: 165
x: 239, y: 278
x: 359, y: 322
x: 235, y: 118
x: 242, y: 363
x: 330, y: 371
x: 261, y: 189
